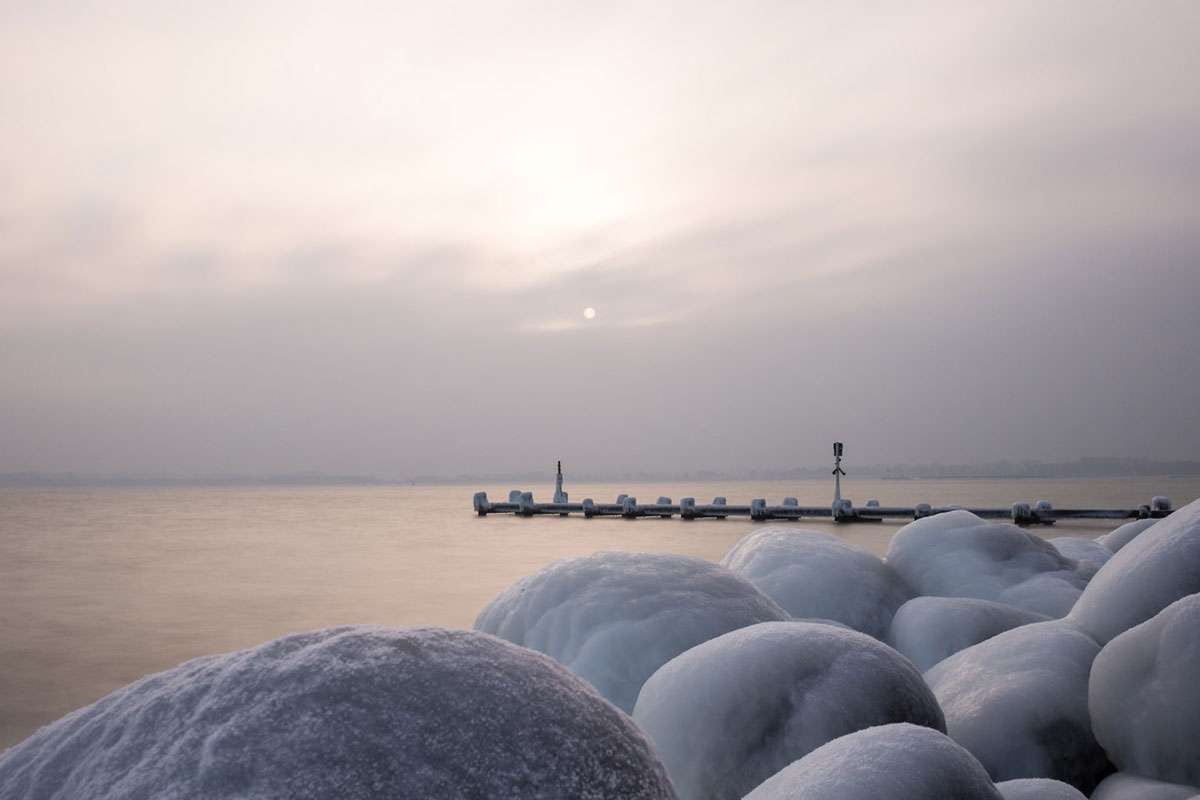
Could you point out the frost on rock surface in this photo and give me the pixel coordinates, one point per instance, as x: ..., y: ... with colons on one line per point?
x: 1122, y: 786
x: 1090, y: 553
x: 817, y: 575
x: 729, y: 713
x: 898, y: 762
x: 1154, y: 570
x: 930, y: 629
x: 1038, y: 789
x: 1019, y: 702
x: 614, y: 618
x: 957, y: 554
x: 348, y: 713
x: 1125, y: 534
x: 1144, y: 695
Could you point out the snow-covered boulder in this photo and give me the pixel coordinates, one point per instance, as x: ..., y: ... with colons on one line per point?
x: 1118, y: 538
x: 1019, y: 703
x: 1144, y: 695
x: 729, y: 713
x: 899, y: 762
x: 348, y: 713
x: 929, y: 629
x: 1154, y: 570
x: 1089, y: 552
x: 957, y: 554
x: 1038, y: 789
x: 815, y: 574
x: 614, y: 618
x: 1123, y: 786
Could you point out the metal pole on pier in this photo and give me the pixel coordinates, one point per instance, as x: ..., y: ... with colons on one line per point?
x: 559, y: 495
x: 838, y: 472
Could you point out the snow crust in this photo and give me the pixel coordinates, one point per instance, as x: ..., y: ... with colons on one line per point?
x: 957, y: 554
x: 729, y: 713
x: 1090, y: 553
x: 1038, y: 789
x: 1154, y: 570
x: 1123, y: 786
x: 930, y: 629
x: 1144, y: 695
x: 1019, y: 703
x: 898, y: 762
x: 349, y: 713
x: 818, y: 575
x: 614, y: 618
x: 1118, y: 538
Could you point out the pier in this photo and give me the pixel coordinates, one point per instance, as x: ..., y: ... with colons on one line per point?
x: 843, y: 510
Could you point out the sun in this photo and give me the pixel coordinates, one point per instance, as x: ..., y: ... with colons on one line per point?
x: 589, y: 313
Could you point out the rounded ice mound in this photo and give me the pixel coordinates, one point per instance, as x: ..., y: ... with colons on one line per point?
x: 729, y: 713
x: 1038, y: 789
x: 1118, y: 538
x: 1122, y: 786
x: 899, y: 762
x: 930, y: 629
x: 1019, y: 703
x: 1154, y: 570
x: 1144, y: 695
x: 817, y: 575
x: 957, y: 554
x: 1089, y: 552
x: 614, y: 618
x: 352, y: 713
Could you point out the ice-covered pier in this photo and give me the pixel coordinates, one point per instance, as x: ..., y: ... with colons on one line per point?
x: 522, y: 503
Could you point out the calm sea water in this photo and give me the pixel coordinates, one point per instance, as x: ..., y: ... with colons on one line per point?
x: 101, y: 586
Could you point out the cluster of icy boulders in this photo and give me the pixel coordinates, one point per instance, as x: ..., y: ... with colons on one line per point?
x: 976, y: 661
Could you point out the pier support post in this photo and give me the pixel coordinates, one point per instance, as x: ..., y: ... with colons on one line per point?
x: 482, y: 506
x: 629, y: 507
x: 589, y: 508
x: 687, y: 508
x: 758, y: 509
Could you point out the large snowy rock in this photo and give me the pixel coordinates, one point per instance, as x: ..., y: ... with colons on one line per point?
x: 614, y: 618
x: 897, y: 762
x: 1123, y: 786
x: 1019, y: 703
x: 1144, y: 695
x: 929, y: 629
x: 1089, y: 553
x: 1154, y: 570
x: 1118, y: 538
x: 729, y: 713
x: 957, y: 554
x: 1038, y: 789
x: 817, y: 575
x: 348, y: 713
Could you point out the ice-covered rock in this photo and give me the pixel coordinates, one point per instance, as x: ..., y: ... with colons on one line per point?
x: 1038, y: 789
x: 729, y: 713
x: 348, y: 713
x: 957, y: 554
x: 899, y: 762
x: 1154, y: 570
x: 1118, y: 538
x: 614, y: 618
x: 929, y: 629
x: 1144, y: 695
x: 1019, y: 703
x: 1123, y: 786
x: 814, y: 574
x: 1083, y: 550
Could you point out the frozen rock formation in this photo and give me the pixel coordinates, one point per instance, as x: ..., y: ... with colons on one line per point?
x: 1038, y: 789
x: 1122, y: 786
x: 1019, y: 703
x: 957, y: 554
x: 614, y: 618
x: 899, y: 762
x: 348, y: 713
x: 1144, y: 695
x: 929, y: 629
x: 813, y: 574
x: 729, y: 713
x: 1154, y: 570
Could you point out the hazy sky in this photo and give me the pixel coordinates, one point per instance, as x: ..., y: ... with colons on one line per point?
x: 360, y: 237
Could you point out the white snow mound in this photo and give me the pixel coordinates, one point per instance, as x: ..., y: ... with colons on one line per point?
x: 1144, y: 695
x: 813, y: 574
x: 614, y: 618
x: 1154, y: 570
x: 1123, y: 786
x: 957, y: 554
x: 351, y: 713
x: 1118, y: 538
x: 930, y: 629
x: 1018, y: 702
x: 729, y: 713
x: 1090, y: 553
x: 899, y: 762
x: 1038, y: 789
